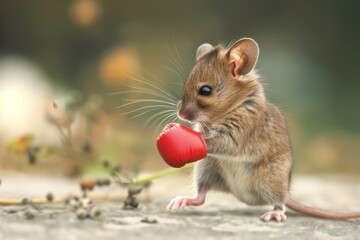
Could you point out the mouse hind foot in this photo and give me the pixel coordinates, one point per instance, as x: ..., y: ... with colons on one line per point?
x: 277, y: 214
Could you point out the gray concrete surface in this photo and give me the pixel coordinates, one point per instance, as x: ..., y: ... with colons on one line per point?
x: 222, y: 217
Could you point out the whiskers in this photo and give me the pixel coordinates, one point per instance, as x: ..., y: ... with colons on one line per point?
x: 176, y: 66
x: 147, y: 98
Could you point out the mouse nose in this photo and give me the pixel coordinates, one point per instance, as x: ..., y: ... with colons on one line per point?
x: 183, y: 116
x: 188, y: 113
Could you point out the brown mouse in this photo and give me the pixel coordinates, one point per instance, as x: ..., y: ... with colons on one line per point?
x: 249, y: 149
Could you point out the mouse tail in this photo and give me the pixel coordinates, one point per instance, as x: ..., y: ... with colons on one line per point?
x: 300, y: 208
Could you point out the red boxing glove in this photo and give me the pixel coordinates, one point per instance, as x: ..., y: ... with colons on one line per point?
x: 179, y: 145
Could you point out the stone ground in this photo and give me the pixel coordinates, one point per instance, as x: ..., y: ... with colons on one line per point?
x: 222, y: 217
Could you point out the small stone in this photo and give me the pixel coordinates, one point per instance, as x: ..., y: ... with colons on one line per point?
x: 49, y: 197
x: 11, y: 210
x: 29, y: 215
x: 148, y: 220
x: 25, y: 201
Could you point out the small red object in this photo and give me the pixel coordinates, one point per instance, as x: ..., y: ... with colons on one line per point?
x: 179, y: 145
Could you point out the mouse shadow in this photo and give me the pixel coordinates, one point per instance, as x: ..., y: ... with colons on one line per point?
x: 245, y: 212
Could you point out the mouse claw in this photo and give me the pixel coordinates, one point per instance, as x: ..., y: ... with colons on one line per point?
x: 177, y: 203
x: 183, y: 203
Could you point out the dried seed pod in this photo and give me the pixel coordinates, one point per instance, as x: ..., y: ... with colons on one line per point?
x: 147, y: 184
x: 127, y: 201
x: 106, y: 163
x: 74, y: 203
x: 130, y: 203
x: 116, y: 169
x: 31, y: 154
x: 106, y: 181
x: 95, y: 212
x: 87, y: 147
x: 103, y: 182
x: 134, y: 190
x: 87, y: 184
x: 85, y: 202
x: 99, y: 182
x: 82, y: 214
x: 134, y: 203
x: 70, y: 199
x: 78, y: 205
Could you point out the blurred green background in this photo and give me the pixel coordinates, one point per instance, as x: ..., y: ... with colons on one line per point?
x: 78, y: 52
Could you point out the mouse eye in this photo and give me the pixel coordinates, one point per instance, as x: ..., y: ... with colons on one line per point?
x: 205, y: 91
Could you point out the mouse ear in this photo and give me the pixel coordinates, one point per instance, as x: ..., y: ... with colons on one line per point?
x: 204, y: 48
x: 242, y: 55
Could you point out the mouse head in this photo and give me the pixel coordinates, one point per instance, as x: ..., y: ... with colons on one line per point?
x: 219, y: 82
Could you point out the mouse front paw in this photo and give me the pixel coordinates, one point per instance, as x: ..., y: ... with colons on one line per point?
x: 180, y: 202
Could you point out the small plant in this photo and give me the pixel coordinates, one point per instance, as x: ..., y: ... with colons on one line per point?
x: 84, y: 208
x: 130, y: 201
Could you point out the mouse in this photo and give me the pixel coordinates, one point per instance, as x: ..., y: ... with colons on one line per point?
x: 248, y: 142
